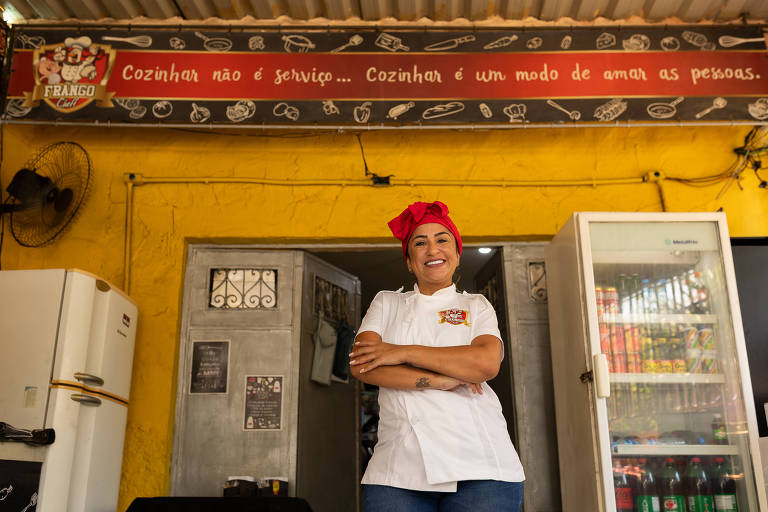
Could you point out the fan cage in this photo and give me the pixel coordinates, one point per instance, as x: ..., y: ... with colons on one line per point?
x: 68, y: 166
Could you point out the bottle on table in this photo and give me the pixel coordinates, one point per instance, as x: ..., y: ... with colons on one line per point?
x: 647, y: 498
x: 698, y: 488
x: 621, y: 488
x: 723, y: 487
x: 671, y: 489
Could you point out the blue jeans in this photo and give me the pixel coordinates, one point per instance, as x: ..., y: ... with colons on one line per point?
x: 470, y: 496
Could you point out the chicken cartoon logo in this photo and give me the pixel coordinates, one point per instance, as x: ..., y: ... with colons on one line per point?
x: 71, y: 75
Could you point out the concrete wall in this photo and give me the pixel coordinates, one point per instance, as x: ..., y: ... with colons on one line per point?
x: 168, y: 216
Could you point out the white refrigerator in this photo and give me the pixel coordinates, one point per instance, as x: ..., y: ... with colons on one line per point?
x: 67, y: 340
x: 649, y: 366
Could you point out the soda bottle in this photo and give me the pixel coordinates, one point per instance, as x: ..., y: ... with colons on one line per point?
x: 647, y: 498
x: 621, y: 488
x: 723, y: 488
x: 651, y: 305
x: 719, y: 433
x: 622, y: 288
x: 671, y: 488
x: 698, y: 488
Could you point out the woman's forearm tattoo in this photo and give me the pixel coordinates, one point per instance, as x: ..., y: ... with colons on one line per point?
x: 422, y: 382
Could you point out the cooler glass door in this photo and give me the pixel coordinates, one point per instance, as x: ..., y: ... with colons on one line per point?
x: 677, y: 367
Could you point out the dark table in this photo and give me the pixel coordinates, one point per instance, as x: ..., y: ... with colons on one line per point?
x: 223, y: 504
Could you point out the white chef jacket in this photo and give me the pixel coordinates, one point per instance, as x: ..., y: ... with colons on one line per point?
x: 430, y: 439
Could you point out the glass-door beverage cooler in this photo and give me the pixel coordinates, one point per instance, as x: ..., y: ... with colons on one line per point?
x: 653, y: 398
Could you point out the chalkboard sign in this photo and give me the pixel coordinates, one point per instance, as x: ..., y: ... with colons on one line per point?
x: 263, y: 402
x: 210, y: 364
x: 381, y: 76
x: 19, y: 482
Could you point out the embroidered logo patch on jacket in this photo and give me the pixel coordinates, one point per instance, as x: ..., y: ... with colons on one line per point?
x: 454, y: 316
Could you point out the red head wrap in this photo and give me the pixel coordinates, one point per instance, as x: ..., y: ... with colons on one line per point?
x: 420, y: 213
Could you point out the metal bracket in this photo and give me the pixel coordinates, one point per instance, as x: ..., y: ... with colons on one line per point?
x: 586, y: 377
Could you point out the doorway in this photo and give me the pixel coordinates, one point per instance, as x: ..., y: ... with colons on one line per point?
x: 266, y: 344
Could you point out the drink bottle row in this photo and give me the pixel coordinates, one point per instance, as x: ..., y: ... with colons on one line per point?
x: 639, y: 345
x: 674, y: 485
x: 685, y: 293
x: 642, y: 399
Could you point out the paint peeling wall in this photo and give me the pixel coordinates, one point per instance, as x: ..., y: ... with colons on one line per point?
x: 168, y: 216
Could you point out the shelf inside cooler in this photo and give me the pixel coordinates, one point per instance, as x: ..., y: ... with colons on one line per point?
x: 668, y: 378
x: 664, y: 319
x: 676, y: 449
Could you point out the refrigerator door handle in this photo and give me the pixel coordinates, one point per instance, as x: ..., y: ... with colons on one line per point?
x: 602, y: 382
x: 89, y: 378
x: 86, y: 399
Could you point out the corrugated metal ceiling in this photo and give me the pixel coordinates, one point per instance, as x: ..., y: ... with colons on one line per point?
x: 136, y: 11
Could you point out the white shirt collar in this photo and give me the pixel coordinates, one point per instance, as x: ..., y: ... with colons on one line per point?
x: 443, y: 291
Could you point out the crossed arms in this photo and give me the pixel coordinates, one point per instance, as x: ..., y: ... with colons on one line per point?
x: 376, y: 362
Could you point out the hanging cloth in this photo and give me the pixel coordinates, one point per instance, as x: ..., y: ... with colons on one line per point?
x: 325, y: 350
x: 344, y: 338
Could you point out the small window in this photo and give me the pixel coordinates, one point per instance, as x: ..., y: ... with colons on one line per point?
x: 243, y: 288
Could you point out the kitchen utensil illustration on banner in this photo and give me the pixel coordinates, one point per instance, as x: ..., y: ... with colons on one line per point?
x: 199, y: 114
x: 697, y: 39
x: 16, y: 108
x: 138, y: 112
x: 162, y: 109
x: 362, y: 112
x: 449, y: 44
x: 241, y: 111
x: 283, y: 109
x: 516, y: 112
x: 355, y: 40
x: 759, y: 109
x: 485, y: 110
x: 670, y: 44
x: 605, y: 40
x: 501, y: 42
x: 718, y: 102
x: 661, y: 110
x: 636, y: 43
x: 533, y: 43
x: 177, y: 43
x: 575, y: 115
x: 610, y: 110
x: 140, y: 41
x: 215, y: 44
x: 32, y: 503
x: 296, y: 43
x: 728, y: 41
x: 330, y: 108
x: 256, y: 43
x: 391, y: 43
x: 132, y: 105
x: 5, y: 492
x: 566, y: 42
x: 31, y: 41
x: 442, y: 110
x: 400, y: 109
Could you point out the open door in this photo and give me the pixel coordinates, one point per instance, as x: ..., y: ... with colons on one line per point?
x: 246, y: 403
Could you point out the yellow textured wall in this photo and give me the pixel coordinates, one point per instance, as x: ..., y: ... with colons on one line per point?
x: 167, y: 217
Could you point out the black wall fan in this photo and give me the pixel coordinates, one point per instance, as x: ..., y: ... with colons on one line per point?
x: 45, y: 195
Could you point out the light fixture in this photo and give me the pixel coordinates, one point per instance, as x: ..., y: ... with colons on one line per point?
x: 11, y: 15
x: 484, y: 250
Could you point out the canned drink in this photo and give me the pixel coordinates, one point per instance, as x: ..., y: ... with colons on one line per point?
x: 605, y: 339
x: 611, y: 300
x: 708, y: 362
x: 691, y: 337
x: 707, y: 338
x: 694, y: 360
x: 600, y: 300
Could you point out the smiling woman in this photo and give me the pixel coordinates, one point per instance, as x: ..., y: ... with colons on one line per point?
x: 442, y: 444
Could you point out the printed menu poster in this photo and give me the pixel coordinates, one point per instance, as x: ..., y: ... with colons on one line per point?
x: 263, y: 402
x: 210, y: 363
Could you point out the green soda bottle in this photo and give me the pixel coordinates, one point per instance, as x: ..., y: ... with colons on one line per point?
x: 699, y: 492
x: 647, y: 499
x: 671, y: 488
x: 723, y: 488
